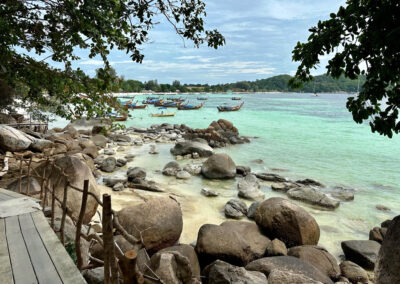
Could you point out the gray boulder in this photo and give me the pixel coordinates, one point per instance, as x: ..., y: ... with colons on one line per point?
x: 189, y: 147
x: 108, y: 165
x: 33, y: 183
x: 283, y: 186
x: 280, y: 218
x: 355, y: 273
x: 41, y: 144
x: 136, y: 173
x: 249, y: 188
x: 193, y: 169
x: 209, y: 193
x: 271, y: 177
x: 219, y: 166
x: 14, y: 140
x: 220, y: 272
x: 310, y: 182
x: 100, y: 140
x: 276, y: 248
x: 94, y: 275
x: 118, y: 186
x: 286, y: 277
x: 363, y: 252
x: 252, y: 209
x: 121, y: 162
x: 235, y: 209
x: 171, y: 169
x: 313, y: 197
x: 112, y: 180
x: 286, y: 264
x: 183, y: 175
x: 109, y: 152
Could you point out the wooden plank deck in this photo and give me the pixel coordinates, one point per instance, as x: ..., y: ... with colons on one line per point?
x: 30, y: 252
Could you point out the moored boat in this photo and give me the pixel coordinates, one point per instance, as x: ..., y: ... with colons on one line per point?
x: 202, y: 99
x: 230, y: 108
x: 152, y: 101
x: 162, y: 114
x: 190, y: 107
x: 236, y: 98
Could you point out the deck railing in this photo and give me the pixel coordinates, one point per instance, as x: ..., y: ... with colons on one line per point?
x: 118, y: 266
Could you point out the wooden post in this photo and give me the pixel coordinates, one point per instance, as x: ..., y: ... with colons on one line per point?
x: 79, y: 259
x: 64, y: 208
x: 110, y: 265
x: 46, y: 187
x: 129, y: 269
x: 28, y: 176
x: 20, y: 174
x: 43, y: 181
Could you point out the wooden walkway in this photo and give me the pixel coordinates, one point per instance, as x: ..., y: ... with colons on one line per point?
x: 30, y: 251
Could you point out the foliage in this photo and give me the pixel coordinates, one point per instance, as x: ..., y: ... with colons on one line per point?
x: 70, y: 248
x: 322, y: 83
x: 56, y: 29
x: 364, y: 33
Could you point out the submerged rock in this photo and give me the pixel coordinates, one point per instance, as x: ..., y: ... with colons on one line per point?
x: 282, y: 219
x: 310, y: 182
x: 219, y: 166
x: 209, y: 193
x: 271, y: 177
x: 235, y: 209
x: 363, y: 252
x: 283, y: 186
x: 312, y: 196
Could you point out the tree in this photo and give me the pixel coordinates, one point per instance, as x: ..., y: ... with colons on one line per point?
x: 54, y: 29
x: 364, y: 33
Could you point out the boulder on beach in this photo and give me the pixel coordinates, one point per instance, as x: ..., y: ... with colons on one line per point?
x: 208, y: 192
x: 243, y: 170
x: 190, y: 147
x: 249, y: 188
x: 13, y: 140
x: 362, y: 252
x: 159, y: 220
x: 282, y: 219
x: 287, y: 264
x: 108, y: 164
x: 318, y: 257
x: 286, y: 277
x: 354, y: 273
x: 313, y: 197
x: 276, y: 248
x: 40, y: 145
x: 99, y: 140
x: 219, y: 166
x: 236, y: 242
x: 271, y: 177
x: 34, y: 186
x: 252, y: 209
x: 223, y: 272
x: 171, y: 169
x: 136, y: 174
x: 387, y: 268
x: 183, y: 175
x: 193, y: 169
x: 283, y: 186
x: 235, y: 209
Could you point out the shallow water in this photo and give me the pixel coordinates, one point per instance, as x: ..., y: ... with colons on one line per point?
x: 300, y: 135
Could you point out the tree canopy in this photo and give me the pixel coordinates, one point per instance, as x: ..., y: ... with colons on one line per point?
x: 55, y: 29
x: 363, y: 38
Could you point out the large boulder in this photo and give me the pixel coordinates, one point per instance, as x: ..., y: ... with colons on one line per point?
x: 14, y: 140
x: 235, y: 209
x: 319, y: 257
x: 355, y: 273
x: 236, y: 242
x: 286, y: 277
x: 159, y: 220
x: 77, y: 172
x: 219, y: 166
x: 41, y: 144
x: 387, y: 268
x: 313, y: 197
x: 190, y: 147
x: 171, y: 169
x: 290, y: 264
x: 249, y: 188
x: 108, y: 164
x: 282, y: 219
x: 136, y: 174
x: 34, y: 186
x: 100, y: 140
x: 362, y: 252
x: 220, y: 272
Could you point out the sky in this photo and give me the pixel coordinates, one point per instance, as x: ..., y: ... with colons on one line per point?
x: 260, y: 36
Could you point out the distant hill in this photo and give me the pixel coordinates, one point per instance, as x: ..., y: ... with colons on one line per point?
x: 320, y: 84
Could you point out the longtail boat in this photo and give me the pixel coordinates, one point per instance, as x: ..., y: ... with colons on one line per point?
x: 138, y: 107
x: 168, y: 104
x: 229, y: 108
x: 115, y: 117
x: 176, y: 100
x: 162, y: 114
x: 152, y: 101
x: 202, y: 99
x: 236, y: 98
x: 190, y: 107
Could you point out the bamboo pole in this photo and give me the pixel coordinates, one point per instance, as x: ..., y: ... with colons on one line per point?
x: 129, y: 268
x: 64, y: 208
x: 110, y: 264
x: 79, y: 259
x: 46, y: 187
x: 28, y: 176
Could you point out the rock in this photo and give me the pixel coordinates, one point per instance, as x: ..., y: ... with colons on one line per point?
x: 129, y: 157
x: 99, y: 140
x: 376, y: 235
x: 109, y: 152
x: 249, y: 188
x: 118, y: 187
x: 283, y: 186
x: 341, y: 193
x: 310, y: 182
x: 382, y: 208
x: 252, y: 209
x: 121, y: 162
x: 120, y: 149
x: 276, y: 248
x: 283, y: 277
x: 285, y: 264
x: 386, y: 223
x: 34, y: 186
x: 353, y: 272
x: 224, y: 273
x: 121, y: 138
x: 195, y: 155
x: 243, y: 170
x: 318, y: 257
x: 94, y: 275
x: 138, y: 142
x: 219, y: 166
x: 41, y: 144
x: 235, y: 209
x: 387, y: 268
x: 153, y: 150
x: 282, y: 219
x: 171, y: 169
x: 183, y: 175
x: 145, y: 185
x: 188, y: 156
x: 209, y: 193
x: 135, y: 174
x: 159, y: 220
x: 108, y: 165
x: 91, y: 151
x: 14, y: 140
x: 189, y: 147
x: 188, y: 252
x: 271, y: 177
x: 193, y: 169
x: 363, y: 252
x: 7, y: 119
x: 112, y: 180
x: 97, y: 250
x: 77, y: 172
x: 99, y: 160
x: 313, y: 197
x: 236, y: 242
